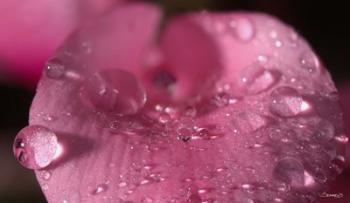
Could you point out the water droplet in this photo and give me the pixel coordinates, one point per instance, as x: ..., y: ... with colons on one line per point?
x: 342, y: 139
x: 46, y: 175
x: 99, y: 189
x: 147, y: 200
x: 55, y: 69
x: 223, y: 99
x: 190, y: 111
x: 185, y: 133
x: 262, y: 59
x: 164, y: 118
x: 278, y: 43
x: 338, y: 165
x: 309, y: 62
x: 309, y: 180
x: 278, y: 200
x: 287, y: 102
x: 202, y: 191
x: 122, y: 184
x: 246, y: 186
x: 35, y: 147
x: 293, y: 39
x: 244, y: 29
x: 290, y: 171
x: 273, y: 34
x: 325, y: 130
x: 115, y: 91
x: 256, y: 79
x: 256, y: 121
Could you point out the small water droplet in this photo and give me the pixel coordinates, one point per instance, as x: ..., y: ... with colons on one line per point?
x: 46, y: 175
x: 310, y: 62
x: 246, y: 186
x: 325, y: 130
x: 262, y: 59
x: 99, y: 189
x: 87, y: 47
x: 35, y: 147
x: 338, y: 164
x: 144, y: 182
x: 122, y: 184
x: 55, y: 69
x: 290, y: 171
x: 164, y: 118
x: 256, y: 121
x: 244, y: 29
x: 147, y: 200
x: 184, y: 133
x: 287, y: 102
x: 278, y: 199
x: 256, y: 79
x: 202, y: 191
x: 190, y: 111
x: 273, y: 34
x: 278, y: 43
x: 293, y: 39
x: 342, y: 139
x: 115, y: 91
x: 45, y: 187
x: 223, y: 99
x: 309, y: 180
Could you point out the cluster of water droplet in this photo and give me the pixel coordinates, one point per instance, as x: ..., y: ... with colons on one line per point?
x: 276, y: 119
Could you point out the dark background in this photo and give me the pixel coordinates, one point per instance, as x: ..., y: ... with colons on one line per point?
x: 325, y: 24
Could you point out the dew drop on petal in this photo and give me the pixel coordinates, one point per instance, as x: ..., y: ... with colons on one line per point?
x: 244, y: 29
x: 46, y: 175
x: 309, y: 180
x: 290, y: 171
x: 287, y: 102
x: 55, y: 69
x: 35, y: 147
x: 262, y: 59
x: 325, y: 130
x: 147, y: 200
x: 114, y: 91
x: 342, y: 139
x: 309, y: 62
x: 256, y: 79
x: 99, y: 189
x: 278, y: 43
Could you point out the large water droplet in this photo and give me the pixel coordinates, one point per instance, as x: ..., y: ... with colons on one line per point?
x: 244, y: 29
x: 35, y: 147
x: 287, y: 102
x: 55, y: 69
x: 257, y: 79
x: 309, y: 62
x: 114, y: 91
x: 290, y: 171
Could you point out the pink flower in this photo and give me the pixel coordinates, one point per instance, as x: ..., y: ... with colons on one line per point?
x: 206, y: 107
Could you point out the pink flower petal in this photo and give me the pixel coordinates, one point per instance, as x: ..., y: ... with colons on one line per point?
x: 239, y: 109
x: 32, y: 30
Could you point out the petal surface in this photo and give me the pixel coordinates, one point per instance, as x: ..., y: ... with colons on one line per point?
x: 239, y: 109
